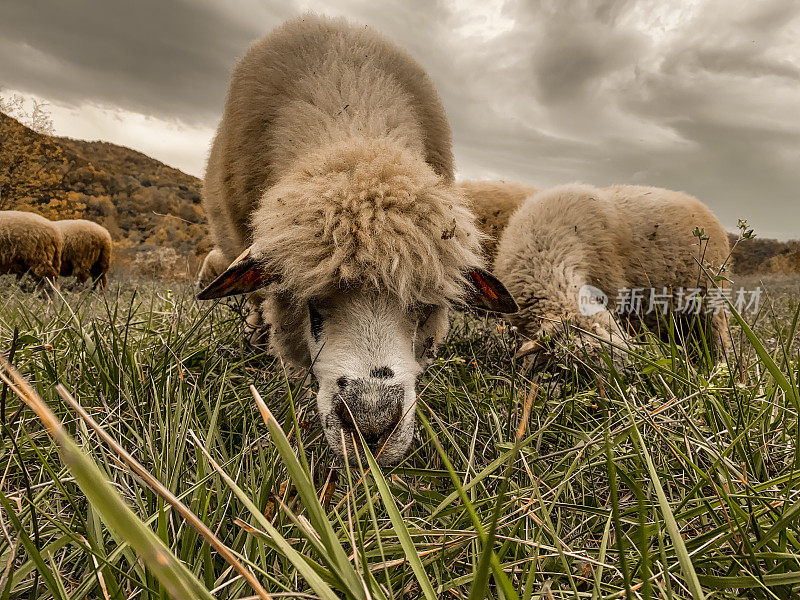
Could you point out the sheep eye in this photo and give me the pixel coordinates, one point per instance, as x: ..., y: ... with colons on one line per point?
x: 316, y: 322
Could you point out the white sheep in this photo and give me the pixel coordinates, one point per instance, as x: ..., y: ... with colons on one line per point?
x: 214, y: 264
x: 331, y: 179
x: 87, y: 251
x: 31, y: 244
x: 569, y: 248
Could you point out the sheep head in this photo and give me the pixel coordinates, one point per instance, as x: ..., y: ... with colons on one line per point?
x: 362, y: 249
x: 365, y: 348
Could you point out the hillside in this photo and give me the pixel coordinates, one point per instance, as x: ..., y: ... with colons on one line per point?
x: 759, y: 256
x: 153, y: 211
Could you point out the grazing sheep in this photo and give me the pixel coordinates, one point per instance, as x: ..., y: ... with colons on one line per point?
x: 87, y: 251
x: 568, y: 248
x: 331, y: 178
x: 214, y: 264
x: 31, y: 244
x: 492, y: 203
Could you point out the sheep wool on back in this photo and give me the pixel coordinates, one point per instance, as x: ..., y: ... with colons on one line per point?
x: 29, y: 243
x: 213, y: 265
x: 493, y: 203
x: 87, y: 250
x: 613, y: 239
x: 333, y: 158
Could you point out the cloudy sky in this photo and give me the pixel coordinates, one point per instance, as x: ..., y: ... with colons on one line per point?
x: 697, y: 95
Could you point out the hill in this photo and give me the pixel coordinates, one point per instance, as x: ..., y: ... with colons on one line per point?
x: 764, y: 255
x: 153, y: 211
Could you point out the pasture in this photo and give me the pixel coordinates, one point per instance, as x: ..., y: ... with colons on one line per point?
x: 669, y: 479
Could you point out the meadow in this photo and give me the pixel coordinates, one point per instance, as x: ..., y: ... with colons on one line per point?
x: 669, y: 478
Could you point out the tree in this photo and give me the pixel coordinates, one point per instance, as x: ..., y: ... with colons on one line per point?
x: 32, y: 164
x: 37, y: 119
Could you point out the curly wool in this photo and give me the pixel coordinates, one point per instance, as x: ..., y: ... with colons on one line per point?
x: 613, y: 238
x: 29, y: 243
x: 333, y: 160
x: 493, y: 203
x: 366, y: 213
x: 214, y: 264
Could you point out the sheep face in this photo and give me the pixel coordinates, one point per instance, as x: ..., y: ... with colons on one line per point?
x: 365, y: 346
x: 367, y: 351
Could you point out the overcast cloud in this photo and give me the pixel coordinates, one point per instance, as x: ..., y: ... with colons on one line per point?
x: 701, y: 95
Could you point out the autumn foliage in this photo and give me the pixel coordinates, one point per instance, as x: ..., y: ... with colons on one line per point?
x: 32, y: 168
x: 152, y: 211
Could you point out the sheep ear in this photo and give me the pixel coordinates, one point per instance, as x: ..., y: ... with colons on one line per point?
x: 487, y: 292
x: 246, y: 274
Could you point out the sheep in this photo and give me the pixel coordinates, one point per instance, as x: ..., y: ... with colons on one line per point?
x: 87, y: 251
x: 492, y: 203
x: 213, y: 265
x: 330, y: 185
x: 31, y: 244
x: 569, y: 250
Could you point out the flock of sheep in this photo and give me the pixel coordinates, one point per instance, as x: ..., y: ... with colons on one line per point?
x: 45, y: 250
x: 332, y: 203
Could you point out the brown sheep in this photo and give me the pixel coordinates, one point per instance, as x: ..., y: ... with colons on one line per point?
x: 87, y: 251
x: 214, y: 264
x: 493, y: 202
x: 331, y: 179
x: 784, y: 263
x: 31, y: 244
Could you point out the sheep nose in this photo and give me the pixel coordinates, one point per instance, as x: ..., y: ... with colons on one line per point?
x: 375, y: 413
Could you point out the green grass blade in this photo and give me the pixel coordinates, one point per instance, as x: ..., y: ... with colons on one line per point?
x: 682, y: 553
x: 30, y: 548
x: 305, y: 488
x: 172, y: 573
x: 300, y: 562
x: 766, y: 359
x: 400, y: 527
x: 500, y: 576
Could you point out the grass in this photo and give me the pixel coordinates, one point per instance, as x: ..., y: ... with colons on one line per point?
x: 670, y: 479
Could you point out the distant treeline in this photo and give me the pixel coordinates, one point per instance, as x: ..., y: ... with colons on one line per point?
x: 759, y: 255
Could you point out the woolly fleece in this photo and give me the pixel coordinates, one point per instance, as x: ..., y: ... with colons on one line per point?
x: 493, y: 203
x: 618, y: 237
x: 333, y: 159
x: 87, y: 250
x: 214, y: 264
x: 29, y: 243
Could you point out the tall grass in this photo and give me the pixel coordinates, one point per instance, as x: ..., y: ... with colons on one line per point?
x: 668, y: 479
